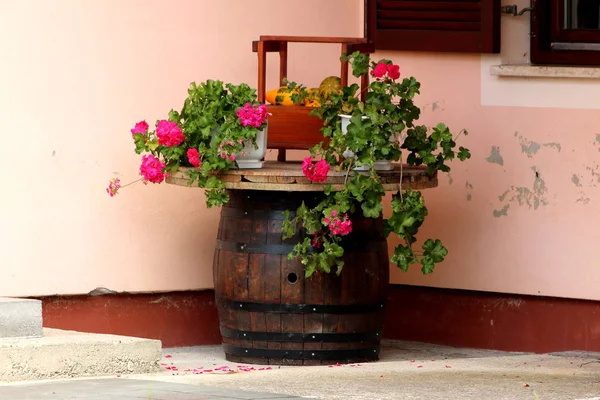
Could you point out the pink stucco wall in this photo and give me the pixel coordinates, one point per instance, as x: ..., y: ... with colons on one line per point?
x: 506, y: 228
x: 76, y: 75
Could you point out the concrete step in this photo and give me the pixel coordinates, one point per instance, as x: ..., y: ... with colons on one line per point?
x: 20, y: 317
x: 69, y: 354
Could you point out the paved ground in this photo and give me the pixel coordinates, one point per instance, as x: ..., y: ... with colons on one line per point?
x: 128, y: 389
x: 406, y: 371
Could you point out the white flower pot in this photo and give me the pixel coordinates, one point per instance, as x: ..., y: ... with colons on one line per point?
x: 379, y: 165
x: 250, y: 157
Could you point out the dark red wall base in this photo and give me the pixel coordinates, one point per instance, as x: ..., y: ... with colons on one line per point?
x: 441, y: 316
x: 178, y: 319
x: 496, y: 321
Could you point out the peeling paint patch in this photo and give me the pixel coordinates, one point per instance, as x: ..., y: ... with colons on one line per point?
x: 503, y: 195
x: 450, y: 180
x: 469, y: 188
x: 532, y: 198
x: 594, y: 170
x: 503, y: 212
x: 495, y: 157
x: 530, y: 148
x: 598, y: 140
x: 583, y: 199
x: 554, y: 145
x: 575, y: 180
x: 434, y: 106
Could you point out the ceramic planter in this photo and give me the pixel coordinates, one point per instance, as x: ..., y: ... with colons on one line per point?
x: 251, y: 157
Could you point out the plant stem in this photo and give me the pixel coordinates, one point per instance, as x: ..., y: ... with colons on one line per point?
x: 130, y: 183
x: 348, y: 171
x: 401, y: 165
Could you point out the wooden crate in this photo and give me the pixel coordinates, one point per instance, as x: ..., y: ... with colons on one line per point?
x: 292, y: 127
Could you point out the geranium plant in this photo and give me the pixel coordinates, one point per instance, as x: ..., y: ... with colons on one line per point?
x: 212, y: 129
x: 381, y: 128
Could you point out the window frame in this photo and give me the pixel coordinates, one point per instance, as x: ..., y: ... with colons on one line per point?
x: 546, y: 30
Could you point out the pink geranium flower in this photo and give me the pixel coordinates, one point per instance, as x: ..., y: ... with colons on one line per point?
x: 252, y: 115
x: 380, y: 70
x: 152, y: 169
x: 338, y: 226
x: 193, y: 157
x: 393, y: 71
x: 168, y: 133
x: 315, y: 172
x: 140, y: 127
x: 113, y: 187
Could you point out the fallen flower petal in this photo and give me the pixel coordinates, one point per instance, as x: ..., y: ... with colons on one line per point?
x: 420, y: 366
x: 447, y: 366
x: 168, y: 356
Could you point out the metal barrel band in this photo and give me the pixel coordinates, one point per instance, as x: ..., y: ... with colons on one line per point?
x: 255, y: 214
x: 238, y: 247
x: 254, y: 248
x: 366, y: 354
x: 298, y: 337
x: 285, y: 308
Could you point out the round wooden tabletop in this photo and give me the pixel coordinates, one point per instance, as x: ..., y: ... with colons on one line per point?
x: 288, y: 176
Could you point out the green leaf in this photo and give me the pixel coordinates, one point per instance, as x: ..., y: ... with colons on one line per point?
x: 324, y: 262
x: 336, y: 250
x: 153, y: 145
x: 427, y: 265
x: 403, y: 256
x: 435, y: 250
x: 173, y: 167
x: 371, y: 210
x: 463, y: 153
x: 310, y: 268
x: 288, y: 226
x: 339, y: 264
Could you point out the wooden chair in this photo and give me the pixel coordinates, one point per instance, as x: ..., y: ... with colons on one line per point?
x: 290, y: 127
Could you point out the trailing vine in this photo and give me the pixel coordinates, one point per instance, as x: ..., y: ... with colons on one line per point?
x: 381, y: 128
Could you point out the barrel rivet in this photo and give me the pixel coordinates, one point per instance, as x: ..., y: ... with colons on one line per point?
x: 313, y: 336
x: 246, y: 351
x: 244, y: 334
x: 313, y: 354
x: 374, y: 351
x: 241, y: 305
x: 314, y: 309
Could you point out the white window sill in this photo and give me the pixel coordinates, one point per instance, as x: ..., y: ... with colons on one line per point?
x: 540, y: 71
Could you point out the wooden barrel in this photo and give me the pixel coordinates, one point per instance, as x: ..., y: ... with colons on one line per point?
x: 269, y: 313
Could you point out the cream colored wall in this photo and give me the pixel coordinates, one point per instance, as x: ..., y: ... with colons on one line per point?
x: 506, y: 229
x: 75, y: 76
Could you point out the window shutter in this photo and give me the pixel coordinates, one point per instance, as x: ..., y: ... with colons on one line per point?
x: 467, y: 26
